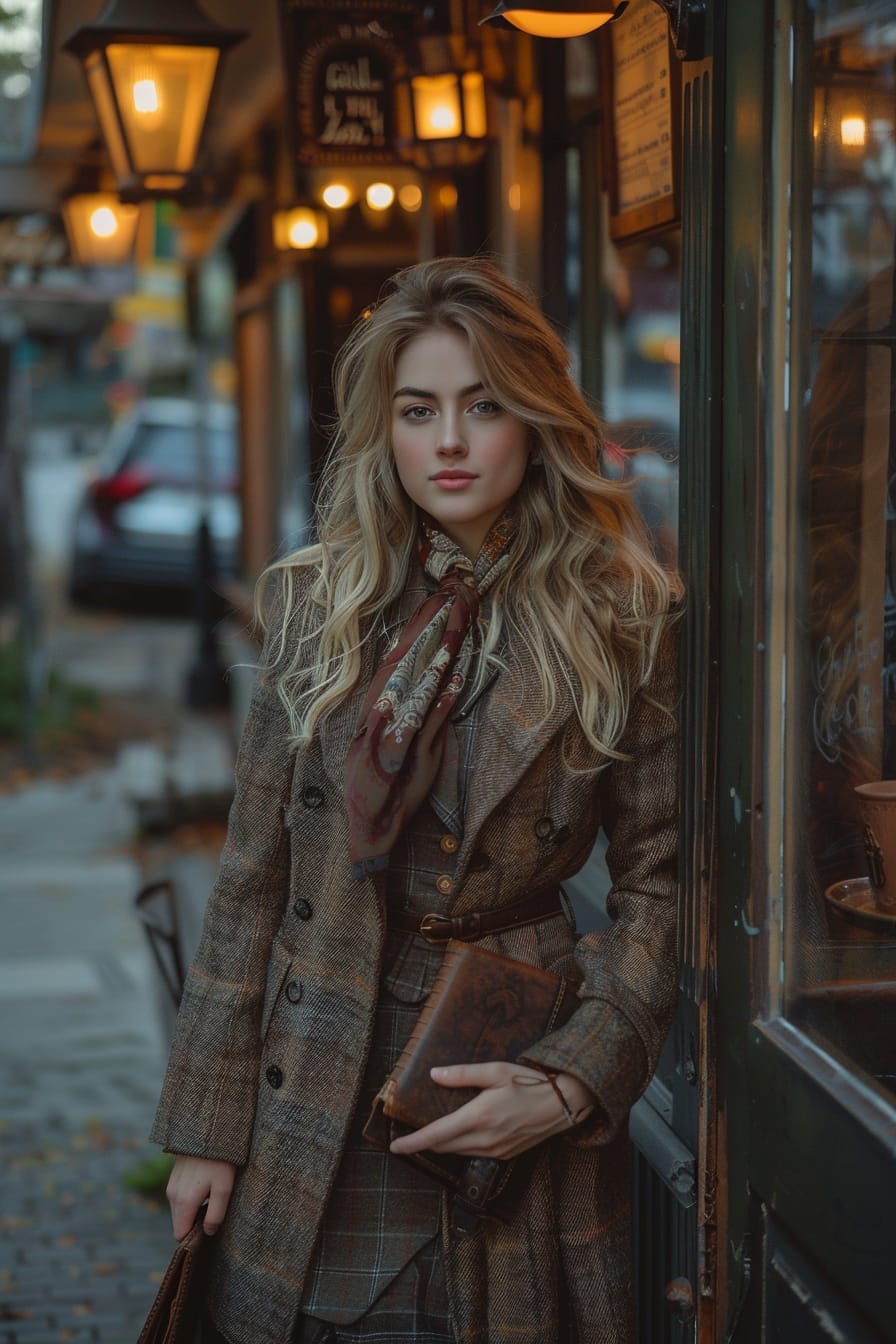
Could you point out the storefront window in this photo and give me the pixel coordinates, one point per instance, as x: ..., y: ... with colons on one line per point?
x: 840, y: 933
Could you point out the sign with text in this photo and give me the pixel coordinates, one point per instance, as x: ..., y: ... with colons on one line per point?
x: 342, y: 64
x: 641, y: 83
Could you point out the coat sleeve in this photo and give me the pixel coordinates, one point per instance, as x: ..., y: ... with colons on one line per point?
x: 613, y: 1040
x: 207, y: 1105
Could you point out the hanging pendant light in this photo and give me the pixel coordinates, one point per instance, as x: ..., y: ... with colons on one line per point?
x: 151, y: 67
x: 553, y: 18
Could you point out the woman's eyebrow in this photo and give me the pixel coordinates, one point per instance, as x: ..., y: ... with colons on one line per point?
x: 431, y: 396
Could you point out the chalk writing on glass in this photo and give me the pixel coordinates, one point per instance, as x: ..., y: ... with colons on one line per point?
x: 844, y: 676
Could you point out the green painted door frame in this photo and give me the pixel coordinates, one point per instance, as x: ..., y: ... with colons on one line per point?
x: 807, y: 1150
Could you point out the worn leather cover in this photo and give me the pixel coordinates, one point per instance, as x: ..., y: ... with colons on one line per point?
x: 483, y: 1007
x: 174, y: 1315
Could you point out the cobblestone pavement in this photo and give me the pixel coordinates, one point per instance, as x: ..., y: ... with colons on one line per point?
x: 81, y: 1056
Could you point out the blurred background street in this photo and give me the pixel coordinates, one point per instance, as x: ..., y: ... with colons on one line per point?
x: 123, y: 782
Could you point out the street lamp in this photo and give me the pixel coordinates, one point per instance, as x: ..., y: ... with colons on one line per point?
x: 151, y: 68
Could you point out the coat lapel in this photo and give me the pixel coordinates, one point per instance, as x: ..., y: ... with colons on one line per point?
x: 509, y: 737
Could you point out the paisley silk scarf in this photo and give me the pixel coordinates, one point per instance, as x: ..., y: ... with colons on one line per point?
x: 398, y: 751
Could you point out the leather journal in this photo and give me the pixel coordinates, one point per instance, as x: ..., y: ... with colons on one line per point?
x: 483, y: 1007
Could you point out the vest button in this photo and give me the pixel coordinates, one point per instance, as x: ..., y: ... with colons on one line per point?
x: 444, y: 884
x: 303, y: 908
x: 294, y: 991
x: 312, y: 796
x: 275, y: 1076
x: 449, y: 844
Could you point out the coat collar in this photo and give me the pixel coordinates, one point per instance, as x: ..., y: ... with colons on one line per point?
x: 510, y: 732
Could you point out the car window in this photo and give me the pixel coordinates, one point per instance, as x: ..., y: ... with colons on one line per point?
x: 172, y: 453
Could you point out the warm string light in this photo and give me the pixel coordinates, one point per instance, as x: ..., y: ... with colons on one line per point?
x: 410, y: 197
x: 336, y: 195
x: 379, y: 195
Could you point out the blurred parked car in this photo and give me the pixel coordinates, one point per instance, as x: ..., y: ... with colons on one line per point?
x: 137, y: 522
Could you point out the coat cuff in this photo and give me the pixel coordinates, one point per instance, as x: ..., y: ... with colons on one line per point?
x: 608, y: 1057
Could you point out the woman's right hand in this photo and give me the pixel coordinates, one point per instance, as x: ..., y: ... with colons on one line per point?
x: 192, y: 1180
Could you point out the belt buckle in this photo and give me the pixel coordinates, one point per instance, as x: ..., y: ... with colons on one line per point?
x: 428, y: 928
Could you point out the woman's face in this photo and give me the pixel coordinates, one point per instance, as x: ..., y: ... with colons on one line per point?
x: 458, y: 453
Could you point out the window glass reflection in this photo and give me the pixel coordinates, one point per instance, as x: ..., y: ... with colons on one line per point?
x: 842, y: 967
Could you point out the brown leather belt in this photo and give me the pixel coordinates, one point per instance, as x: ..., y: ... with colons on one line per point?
x: 439, y: 928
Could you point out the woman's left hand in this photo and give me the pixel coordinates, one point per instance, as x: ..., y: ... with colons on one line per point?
x: 516, y: 1108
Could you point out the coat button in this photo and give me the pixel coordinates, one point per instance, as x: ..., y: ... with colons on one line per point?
x: 480, y: 862
x: 448, y: 844
x: 294, y: 991
x: 274, y: 1076
x: 312, y: 796
x: 444, y: 884
x: 303, y: 908
x: 544, y: 828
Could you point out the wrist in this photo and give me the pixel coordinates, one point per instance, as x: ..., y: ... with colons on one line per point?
x: 577, y: 1099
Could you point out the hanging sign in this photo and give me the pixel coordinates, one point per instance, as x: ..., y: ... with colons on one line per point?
x: 641, y: 91
x: 342, y: 65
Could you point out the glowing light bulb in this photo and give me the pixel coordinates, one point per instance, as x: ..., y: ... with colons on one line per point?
x: 447, y: 196
x: 853, y: 132
x: 146, y: 96
x: 303, y: 233
x: 442, y: 118
x: 336, y: 195
x: 380, y: 195
x: 103, y: 223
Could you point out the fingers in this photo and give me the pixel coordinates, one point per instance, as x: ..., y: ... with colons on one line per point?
x: 515, y: 1109
x: 442, y: 1135
x: 194, y: 1180
x: 218, y: 1199
x: 494, y: 1074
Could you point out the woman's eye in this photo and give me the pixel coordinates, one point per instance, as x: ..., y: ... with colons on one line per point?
x: 416, y: 412
x: 485, y: 407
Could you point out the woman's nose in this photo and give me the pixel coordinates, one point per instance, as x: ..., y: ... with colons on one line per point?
x: 451, y: 437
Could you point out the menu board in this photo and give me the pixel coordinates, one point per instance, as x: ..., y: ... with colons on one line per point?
x: 641, y: 82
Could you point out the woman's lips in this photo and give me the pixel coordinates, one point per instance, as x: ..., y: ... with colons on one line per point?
x: 453, y: 481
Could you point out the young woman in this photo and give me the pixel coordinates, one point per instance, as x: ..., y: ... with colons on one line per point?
x: 468, y: 674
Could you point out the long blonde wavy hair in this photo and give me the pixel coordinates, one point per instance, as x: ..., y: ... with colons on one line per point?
x: 583, y: 589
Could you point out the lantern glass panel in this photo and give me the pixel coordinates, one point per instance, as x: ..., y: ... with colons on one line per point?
x: 101, y: 230
x: 104, y: 101
x: 475, y: 122
x: 162, y: 94
x: 437, y: 109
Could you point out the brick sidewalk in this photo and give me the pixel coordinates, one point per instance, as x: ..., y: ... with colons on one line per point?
x: 82, y: 1051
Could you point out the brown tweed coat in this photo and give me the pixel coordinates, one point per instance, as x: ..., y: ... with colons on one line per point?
x: 268, y: 1079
